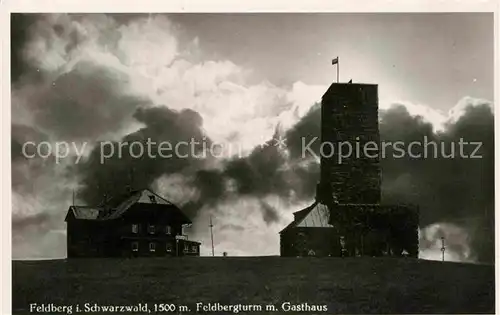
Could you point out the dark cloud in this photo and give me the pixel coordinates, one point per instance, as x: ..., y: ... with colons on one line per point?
x: 36, y: 220
x: 161, y: 125
x: 269, y: 213
x: 211, y: 184
x: 259, y: 173
x: 265, y: 171
x: 453, y: 190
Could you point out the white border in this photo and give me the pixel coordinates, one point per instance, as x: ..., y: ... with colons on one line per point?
x: 8, y: 6
x: 5, y: 191
x: 250, y: 6
x: 496, y: 106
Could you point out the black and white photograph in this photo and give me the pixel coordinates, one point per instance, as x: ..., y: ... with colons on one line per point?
x: 252, y: 162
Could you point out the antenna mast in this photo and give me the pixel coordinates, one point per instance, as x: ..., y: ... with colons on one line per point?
x: 212, y: 235
x: 443, y: 248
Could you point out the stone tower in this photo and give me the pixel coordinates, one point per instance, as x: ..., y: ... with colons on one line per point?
x: 349, y: 115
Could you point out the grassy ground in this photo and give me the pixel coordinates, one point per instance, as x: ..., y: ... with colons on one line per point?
x: 349, y: 285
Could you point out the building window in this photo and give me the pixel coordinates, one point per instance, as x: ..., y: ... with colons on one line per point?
x: 186, y: 247
x: 152, y: 247
x: 151, y: 229
x: 152, y: 198
x: 135, y: 228
x: 194, y: 249
x: 168, y: 229
x: 169, y: 247
x: 135, y: 246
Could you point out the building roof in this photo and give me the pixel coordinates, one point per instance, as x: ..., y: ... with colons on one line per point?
x: 141, y: 195
x: 85, y: 213
x: 316, y: 215
x: 115, y: 207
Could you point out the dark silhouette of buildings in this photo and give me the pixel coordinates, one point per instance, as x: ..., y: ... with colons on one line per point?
x: 137, y: 223
x: 347, y: 218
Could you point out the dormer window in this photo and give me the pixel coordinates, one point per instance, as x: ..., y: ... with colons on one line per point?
x: 135, y: 228
x: 152, y: 198
x: 151, y: 229
x: 168, y: 230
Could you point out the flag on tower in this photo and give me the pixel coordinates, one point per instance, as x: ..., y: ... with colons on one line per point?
x: 335, y: 61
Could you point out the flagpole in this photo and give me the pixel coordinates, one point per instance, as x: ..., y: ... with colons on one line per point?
x: 442, y: 247
x: 212, y: 235
x: 338, y: 65
x: 336, y: 62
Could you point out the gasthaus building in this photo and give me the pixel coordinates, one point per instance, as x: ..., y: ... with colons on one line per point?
x: 138, y: 223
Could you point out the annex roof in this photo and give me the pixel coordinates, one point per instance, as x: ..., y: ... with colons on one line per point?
x: 316, y: 215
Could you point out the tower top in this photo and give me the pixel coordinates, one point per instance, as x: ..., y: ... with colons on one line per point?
x: 341, y: 88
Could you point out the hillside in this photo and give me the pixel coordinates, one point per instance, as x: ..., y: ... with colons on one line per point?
x: 350, y: 285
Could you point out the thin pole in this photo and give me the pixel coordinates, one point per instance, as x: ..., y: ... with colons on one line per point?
x: 338, y: 66
x: 73, y: 197
x: 442, y: 247
x: 212, y: 235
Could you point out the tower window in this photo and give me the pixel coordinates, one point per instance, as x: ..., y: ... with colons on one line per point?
x: 152, y: 247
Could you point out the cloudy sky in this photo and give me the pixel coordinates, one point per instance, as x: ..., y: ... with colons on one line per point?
x: 239, y: 79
